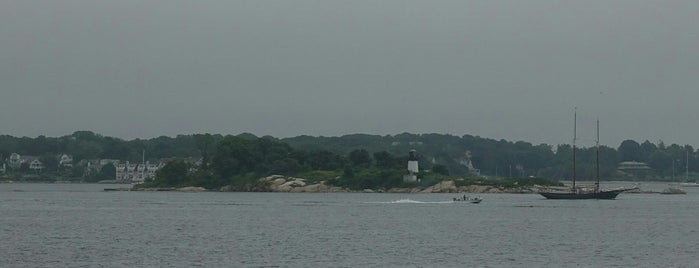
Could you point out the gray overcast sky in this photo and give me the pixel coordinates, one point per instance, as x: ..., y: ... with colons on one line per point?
x: 509, y: 70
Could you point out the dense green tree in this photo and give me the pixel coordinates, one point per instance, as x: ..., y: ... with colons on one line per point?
x: 236, y: 156
x: 629, y: 150
x: 348, y: 172
x: 174, y: 173
x: 77, y: 171
x: 204, y: 143
x: 115, y: 149
x: 607, y: 162
x: 107, y: 172
x: 43, y: 145
x: 8, y: 145
x: 440, y: 169
x: 50, y: 162
x: 320, y: 160
x: 85, y: 135
x: 360, y: 157
x: 24, y: 167
x: 85, y: 149
x: 646, y: 149
x: 233, y: 156
x: 660, y: 160
x: 385, y: 160
x: 246, y: 156
x: 286, y: 166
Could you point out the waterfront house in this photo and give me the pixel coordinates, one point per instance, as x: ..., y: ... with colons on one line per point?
x: 16, y: 161
x: 128, y: 172
x: 633, y: 168
x: 65, y: 161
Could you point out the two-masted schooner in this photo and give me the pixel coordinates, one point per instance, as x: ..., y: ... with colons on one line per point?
x: 581, y: 193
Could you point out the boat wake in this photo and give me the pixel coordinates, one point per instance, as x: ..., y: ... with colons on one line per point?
x: 410, y: 201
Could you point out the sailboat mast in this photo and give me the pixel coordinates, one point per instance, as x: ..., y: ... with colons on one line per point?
x: 143, y: 164
x: 575, y: 136
x: 597, y: 160
x: 686, y: 166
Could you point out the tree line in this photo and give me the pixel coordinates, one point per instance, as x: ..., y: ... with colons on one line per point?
x: 240, y: 161
x: 501, y: 158
x: 357, y: 160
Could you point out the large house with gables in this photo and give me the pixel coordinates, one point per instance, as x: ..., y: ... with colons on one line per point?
x: 16, y: 161
x: 127, y: 172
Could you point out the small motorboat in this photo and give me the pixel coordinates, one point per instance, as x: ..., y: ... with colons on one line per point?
x: 474, y: 200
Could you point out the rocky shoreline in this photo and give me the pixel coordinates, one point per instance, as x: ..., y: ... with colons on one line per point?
x: 278, y: 183
x: 282, y: 184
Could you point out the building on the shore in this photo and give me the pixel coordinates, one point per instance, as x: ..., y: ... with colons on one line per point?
x: 466, y: 161
x: 32, y: 162
x: 633, y: 168
x: 65, y: 161
x: 128, y: 172
x: 413, y: 169
x: 92, y: 166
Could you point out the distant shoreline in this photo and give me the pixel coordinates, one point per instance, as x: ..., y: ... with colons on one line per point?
x: 442, y: 187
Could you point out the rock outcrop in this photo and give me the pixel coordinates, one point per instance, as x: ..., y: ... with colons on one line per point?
x: 450, y: 187
x: 191, y: 189
x: 442, y: 187
x: 403, y: 190
x: 279, y: 183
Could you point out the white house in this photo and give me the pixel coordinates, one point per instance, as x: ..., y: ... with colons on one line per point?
x: 16, y: 161
x: 36, y: 165
x: 65, y: 161
x: 135, y: 173
x: 633, y: 166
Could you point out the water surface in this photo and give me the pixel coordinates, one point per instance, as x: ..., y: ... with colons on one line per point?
x: 78, y: 225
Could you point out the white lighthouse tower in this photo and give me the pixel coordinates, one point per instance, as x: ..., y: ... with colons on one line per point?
x: 412, y: 167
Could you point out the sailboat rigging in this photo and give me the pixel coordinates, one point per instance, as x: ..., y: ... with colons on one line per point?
x: 580, y: 193
x: 686, y: 175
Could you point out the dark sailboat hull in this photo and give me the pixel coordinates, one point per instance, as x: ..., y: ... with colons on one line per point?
x: 577, y: 193
x: 611, y: 194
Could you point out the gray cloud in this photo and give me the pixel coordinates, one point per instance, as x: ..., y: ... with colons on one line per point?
x: 497, y: 69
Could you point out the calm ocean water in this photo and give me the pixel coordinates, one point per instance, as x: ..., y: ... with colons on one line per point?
x: 78, y: 225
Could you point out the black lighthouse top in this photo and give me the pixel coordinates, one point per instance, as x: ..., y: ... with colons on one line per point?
x: 412, y: 155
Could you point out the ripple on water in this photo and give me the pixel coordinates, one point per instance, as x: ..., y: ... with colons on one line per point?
x: 126, y: 229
